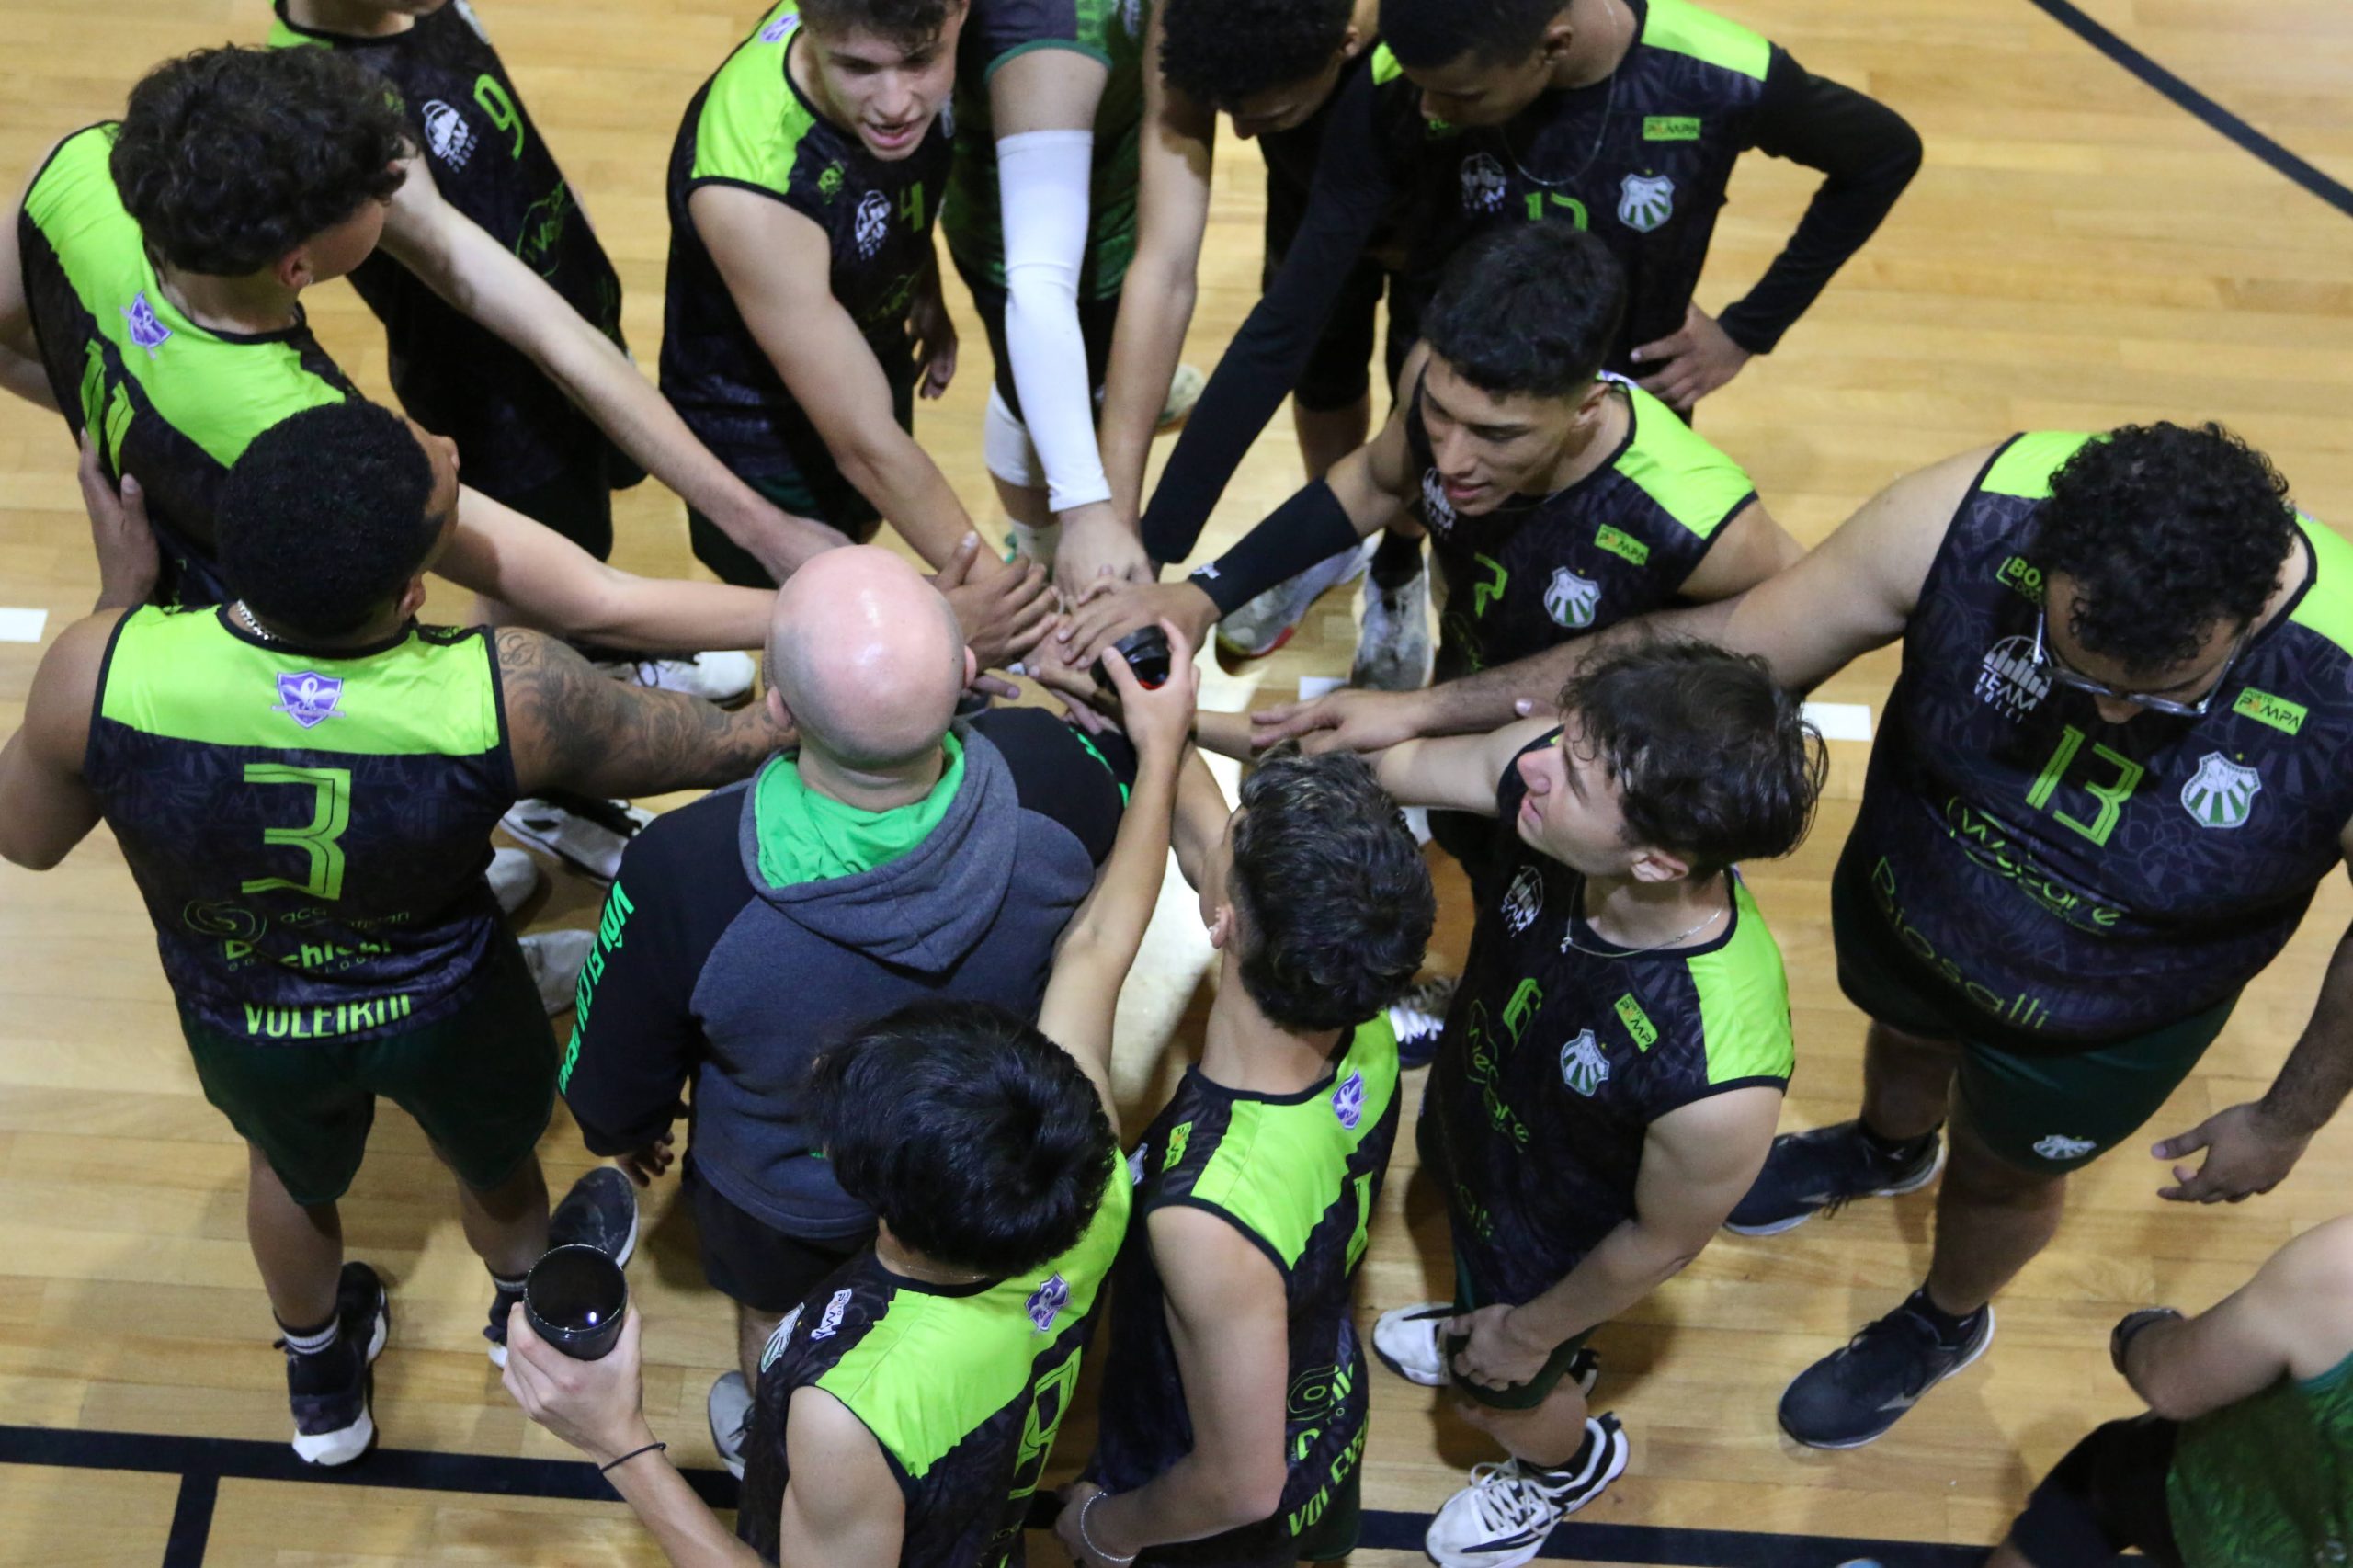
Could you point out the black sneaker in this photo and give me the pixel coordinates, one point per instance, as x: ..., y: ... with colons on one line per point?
x: 329, y: 1391
x: 1808, y: 1172
x: 1419, y: 1018
x: 599, y: 1211
x: 1852, y: 1396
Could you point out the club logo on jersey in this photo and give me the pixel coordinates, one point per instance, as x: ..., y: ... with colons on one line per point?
x: 1483, y: 185
x: 781, y: 28
x: 1348, y: 1101
x: 831, y: 1324
x: 447, y: 134
x: 146, y: 331
x: 1437, y: 510
x: 1645, y: 202
x: 829, y: 184
x: 782, y: 1337
x: 873, y: 223
x: 2059, y: 1146
x: 308, y: 699
x: 1571, y: 600
x: 1583, y: 1067
x: 1135, y: 1166
x: 1047, y: 1302
x: 2222, y: 793
x: 1525, y: 900
x: 2011, y: 679
x: 1132, y: 16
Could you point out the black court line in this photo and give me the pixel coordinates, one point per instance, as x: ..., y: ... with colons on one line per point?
x: 202, y: 1463
x: 2189, y: 98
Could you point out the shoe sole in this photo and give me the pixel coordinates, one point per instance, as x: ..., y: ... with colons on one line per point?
x: 329, y: 1449
x: 1955, y: 1370
x: 1910, y: 1184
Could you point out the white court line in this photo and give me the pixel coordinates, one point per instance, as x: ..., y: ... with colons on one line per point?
x: 23, y: 625
x: 1841, y: 720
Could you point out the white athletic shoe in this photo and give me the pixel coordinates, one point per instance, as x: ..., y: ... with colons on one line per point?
x: 730, y: 1408
x: 514, y: 877
x: 586, y: 834
x: 1184, y: 391
x: 1408, y: 1341
x: 1267, y: 622
x: 554, y: 959
x: 1500, y: 1520
x: 1393, y: 650
x: 724, y: 677
x: 1032, y: 544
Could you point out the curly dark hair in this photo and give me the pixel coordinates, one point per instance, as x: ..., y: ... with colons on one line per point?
x: 1529, y: 308
x: 1222, y: 52
x: 2165, y: 531
x: 231, y: 157
x: 904, y: 22
x: 1712, y: 760
x: 322, y: 520
x: 1334, y: 896
x: 1426, y: 34
x: 980, y: 1141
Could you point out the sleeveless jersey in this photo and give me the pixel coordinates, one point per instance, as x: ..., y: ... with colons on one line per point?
x: 1617, y: 543
x: 1111, y: 31
x: 750, y: 126
x: 516, y: 428
x: 1298, y: 1176
x: 2081, y: 881
x: 167, y: 400
x: 309, y: 829
x: 962, y: 1387
x: 1641, y: 159
x: 2267, y: 1483
x: 1556, y: 1060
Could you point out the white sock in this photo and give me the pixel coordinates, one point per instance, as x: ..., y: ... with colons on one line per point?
x: 315, y: 1341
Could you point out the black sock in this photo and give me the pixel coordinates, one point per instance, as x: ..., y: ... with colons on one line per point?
x: 1396, y: 561
x: 1952, y: 1332
x: 1572, y: 1466
x: 1896, y: 1151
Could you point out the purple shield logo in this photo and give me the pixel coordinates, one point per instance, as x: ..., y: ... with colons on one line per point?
x: 1348, y: 1101
x: 1047, y: 1302
x: 147, y: 331
x: 308, y: 699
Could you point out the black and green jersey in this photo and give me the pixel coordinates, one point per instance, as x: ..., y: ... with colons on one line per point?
x: 1559, y: 1052
x: 165, y: 400
x: 308, y: 829
x: 752, y: 128
x: 2074, y: 880
x: 1298, y: 1176
x: 1643, y: 159
x: 514, y: 428
x: 964, y: 1387
x: 2267, y: 1483
x: 1541, y: 569
x: 1111, y: 32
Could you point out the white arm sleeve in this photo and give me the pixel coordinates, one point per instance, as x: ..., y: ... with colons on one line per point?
x: 1042, y: 180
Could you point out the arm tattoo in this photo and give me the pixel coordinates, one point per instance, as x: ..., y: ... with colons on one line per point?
x: 574, y: 728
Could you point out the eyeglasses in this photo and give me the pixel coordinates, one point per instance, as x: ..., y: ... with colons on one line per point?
x: 2155, y: 704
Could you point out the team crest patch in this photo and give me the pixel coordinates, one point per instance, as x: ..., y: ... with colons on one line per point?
x: 1524, y: 901
x: 1645, y: 202
x: 1483, y: 185
x: 780, y: 1339
x: 1047, y: 1302
x: 2059, y: 1146
x: 1571, y: 600
x: 308, y: 697
x: 1132, y: 16
x: 830, y: 1325
x: 2221, y: 793
x: 1437, y: 510
x: 874, y: 223
x: 781, y: 28
x: 2011, y: 680
x: 1583, y: 1066
x: 1348, y: 1101
x: 1135, y: 1166
x: 447, y: 134
x: 147, y: 331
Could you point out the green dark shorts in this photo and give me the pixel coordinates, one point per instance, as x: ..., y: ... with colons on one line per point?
x: 1328, y: 1537
x: 812, y: 487
x: 480, y: 1080
x: 2044, y: 1107
x: 1520, y: 1396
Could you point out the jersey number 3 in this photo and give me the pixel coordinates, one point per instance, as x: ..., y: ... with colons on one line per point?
x: 330, y: 814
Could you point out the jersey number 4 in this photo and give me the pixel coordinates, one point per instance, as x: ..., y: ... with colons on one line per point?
x: 330, y: 814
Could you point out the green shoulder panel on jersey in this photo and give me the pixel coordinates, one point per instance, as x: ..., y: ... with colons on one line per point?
x: 2327, y: 606
x: 1744, y: 1000
x: 936, y: 1367
x: 1683, y: 28
x: 183, y: 676
x: 284, y: 37
x: 1695, y: 484
x: 1269, y: 1172
x: 1386, y: 67
x: 752, y: 122
x: 2024, y: 467
x: 219, y: 393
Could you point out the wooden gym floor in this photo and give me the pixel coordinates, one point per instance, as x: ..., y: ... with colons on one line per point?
x: 2079, y: 251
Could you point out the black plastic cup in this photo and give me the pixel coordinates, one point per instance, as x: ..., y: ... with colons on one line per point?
x: 1147, y: 652
x: 576, y: 1297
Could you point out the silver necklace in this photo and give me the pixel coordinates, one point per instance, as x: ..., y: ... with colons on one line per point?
x: 1569, y: 940
x: 252, y: 625
x: 1601, y: 133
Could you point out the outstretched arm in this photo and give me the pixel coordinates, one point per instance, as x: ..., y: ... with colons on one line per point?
x: 2291, y: 1320
x: 1457, y: 772
x: 574, y: 728
x: 21, y: 370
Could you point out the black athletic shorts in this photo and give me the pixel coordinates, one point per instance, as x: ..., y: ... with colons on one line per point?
x: 1339, y: 370
x: 1096, y: 320
x: 2107, y: 1496
x: 577, y: 503
x: 750, y: 1261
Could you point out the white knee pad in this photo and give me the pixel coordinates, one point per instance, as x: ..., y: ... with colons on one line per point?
x: 1007, y: 446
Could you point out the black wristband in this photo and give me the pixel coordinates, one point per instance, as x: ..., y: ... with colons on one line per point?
x: 649, y: 1448
x: 1310, y: 527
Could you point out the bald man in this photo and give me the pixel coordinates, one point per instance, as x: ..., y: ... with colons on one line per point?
x: 895, y: 856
